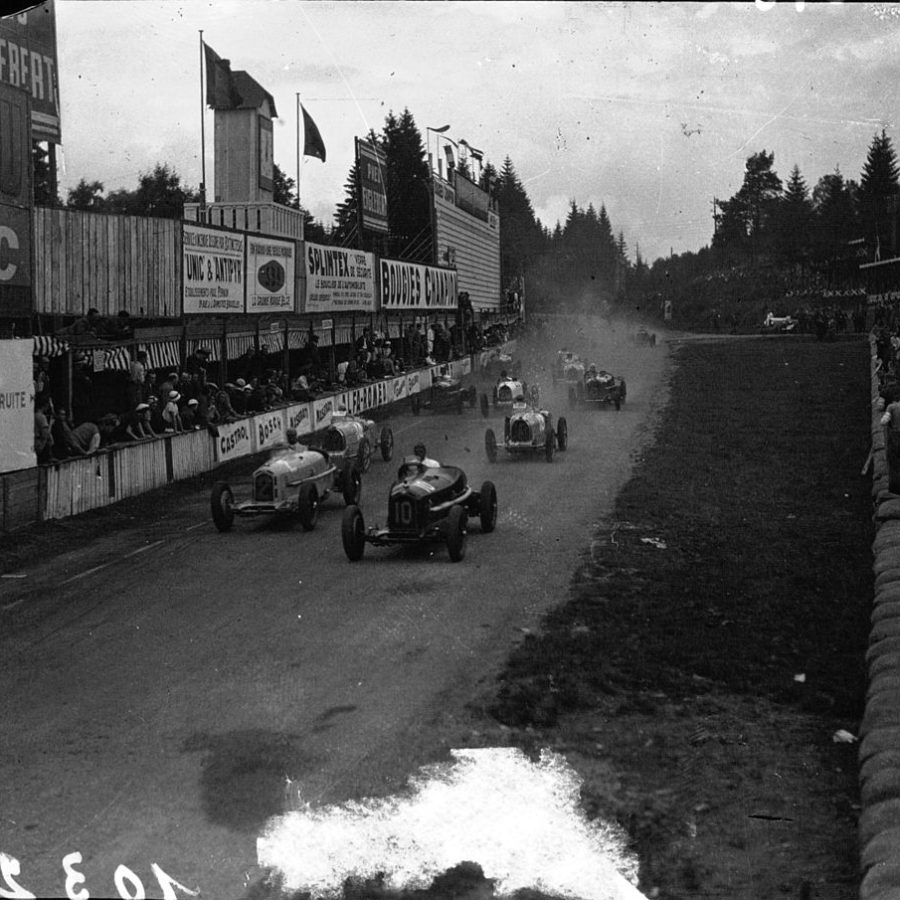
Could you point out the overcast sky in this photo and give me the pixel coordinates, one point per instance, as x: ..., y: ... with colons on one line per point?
x: 650, y: 109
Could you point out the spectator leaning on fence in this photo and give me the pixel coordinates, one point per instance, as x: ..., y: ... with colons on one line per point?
x: 171, y: 413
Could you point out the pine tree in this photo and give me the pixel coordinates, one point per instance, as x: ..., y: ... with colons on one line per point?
x: 878, y: 189
x: 408, y: 190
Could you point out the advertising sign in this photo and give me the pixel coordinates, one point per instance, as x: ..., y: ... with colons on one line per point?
x: 16, y: 405
x: 366, y: 397
x: 371, y: 163
x: 398, y: 388
x: 300, y: 417
x: 270, y: 282
x: 322, y: 410
x: 266, y: 153
x: 269, y: 429
x: 28, y: 62
x: 411, y: 286
x: 234, y: 440
x: 338, y: 279
x: 213, y: 267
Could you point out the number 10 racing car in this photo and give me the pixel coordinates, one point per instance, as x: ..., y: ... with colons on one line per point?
x: 424, y: 504
x: 294, y: 480
x: 528, y: 430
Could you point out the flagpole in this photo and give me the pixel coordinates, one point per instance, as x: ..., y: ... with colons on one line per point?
x: 202, y: 139
x: 298, y: 150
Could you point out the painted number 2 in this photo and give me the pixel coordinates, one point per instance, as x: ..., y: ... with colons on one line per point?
x: 129, y: 886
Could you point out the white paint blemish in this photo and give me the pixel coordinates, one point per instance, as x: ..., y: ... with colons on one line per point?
x: 519, y: 820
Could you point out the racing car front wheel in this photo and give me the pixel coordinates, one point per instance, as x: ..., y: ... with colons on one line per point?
x: 353, y: 533
x: 364, y: 455
x: 562, y: 433
x: 387, y: 444
x: 351, y: 483
x: 488, y: 507
x: 473, y: 396
x: 456, y: 533
x: 222, y: 503
x: 490, y: 445
x: 308, y: 506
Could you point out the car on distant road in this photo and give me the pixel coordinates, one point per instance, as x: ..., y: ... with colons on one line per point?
x: 773, y: 324
x: 644, y: 338
x: 529, y: 430
x: 293, y: 481
x: 599, y: 388
x: 425, y: 503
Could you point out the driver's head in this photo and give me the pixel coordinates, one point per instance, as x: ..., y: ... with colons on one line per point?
x: 420, y: 451
x: 291, y: 435
x: 503, y: 373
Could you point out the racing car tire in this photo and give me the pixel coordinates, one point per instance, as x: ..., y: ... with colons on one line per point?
x: 485, y: 406
x: 308, y: 506
x: 386, y: 441
x: 548, y: 446
x: 456, y: 533
x: 505, y: 429
x: 415, y: 404
x: 351, y: 483
x: 490, y: 445
x: 364, y: 455
x: 618, y: 403
x: 487, y: 512
x: 353, y: 533
x: 472, y: 396
x: 562, y: 433
x: 460, y: 398
x: 222, y: 503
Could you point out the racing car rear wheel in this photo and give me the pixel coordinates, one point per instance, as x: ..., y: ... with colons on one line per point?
x: 456, y: 533
x: 485, y: 405
x: 618, y: 403
x: 488, y: 507
x: 222, y: 503
x: 308, y: 506
x: 562, y: 433
x: 472, y: 396
x: 353, y: 533
x: 548, y: 446
x: 490, y: 445
x: 415, y: 404
x: 351, y: 483
x: 364, y: 455
x: 387, y: 444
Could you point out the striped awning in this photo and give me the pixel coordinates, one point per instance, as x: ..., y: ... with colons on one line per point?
x: 271, y: 341
x: 208, y: 344
x: 324, y: 336
x: 49, y: 346
x: 343, y: 334
x: 297, y: 340
x: 163, y: 355
x: 117, y: 358
x: 239, y: 344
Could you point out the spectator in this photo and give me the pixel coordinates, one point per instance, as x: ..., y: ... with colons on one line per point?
x: 171, y: 414
x: 41, y: 377
x: 226, y: 412
x: 257, y: 399
x: 43, y: 437
x: 82, y: 440
x: 196, y: 363
x: 92, y: 323
x: 136, y: 423
x: 151, y: 387
x: 237, y: 396
x: 201, y: 410
x: 189, y: 415
x: 137, y: 378
x: 157, y: 423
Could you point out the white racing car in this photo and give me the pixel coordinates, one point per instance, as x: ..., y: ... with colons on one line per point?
x: 529, y: 430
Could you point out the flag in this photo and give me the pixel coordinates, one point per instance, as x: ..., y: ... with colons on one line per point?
x: 448, y: 152
x: 313, y: 145
x: 476, y: 154
x: 220, y: 90
x: 440, y: 130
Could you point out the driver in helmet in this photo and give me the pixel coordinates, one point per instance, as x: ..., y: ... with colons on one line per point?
x: 422, y: 454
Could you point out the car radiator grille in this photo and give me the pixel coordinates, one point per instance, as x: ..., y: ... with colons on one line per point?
x: 264, y: 488
x: 519, y: 432
x: 504, y: 394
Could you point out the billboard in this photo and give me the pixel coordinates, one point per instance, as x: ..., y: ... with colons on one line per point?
x: 28, y: 61
x: 16, y: 405
x: 413, y: 286
x: 338, y: 279
x: 270, y: 278
x: 371, y: 163
x: 213, y: 271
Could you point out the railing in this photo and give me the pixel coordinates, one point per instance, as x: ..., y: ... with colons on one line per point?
x: 262, y: 218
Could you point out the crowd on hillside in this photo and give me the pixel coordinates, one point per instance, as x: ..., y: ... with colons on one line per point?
x: 156, y: 402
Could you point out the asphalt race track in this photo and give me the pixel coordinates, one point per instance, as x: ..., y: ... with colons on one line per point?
x: 158, y: 687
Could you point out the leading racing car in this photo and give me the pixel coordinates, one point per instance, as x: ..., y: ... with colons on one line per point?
x: 529, y: 430
x: 294, y: 480
x: 599, y: 388
x: 425, y: 503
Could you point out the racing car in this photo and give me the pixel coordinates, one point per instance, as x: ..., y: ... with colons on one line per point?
x: 529, y: 430
x: 568, y: 367
x: 773, y: 324
x: 644, y: 338
x: 294, y: 480
x: 496, y: 361
x: 508, y: 390
x: 425, y: 503
x: 353, y: 437
x: 599, y: 388
x: 445, y: 393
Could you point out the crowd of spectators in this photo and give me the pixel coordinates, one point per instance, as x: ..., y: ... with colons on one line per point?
x: 156, y: 402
